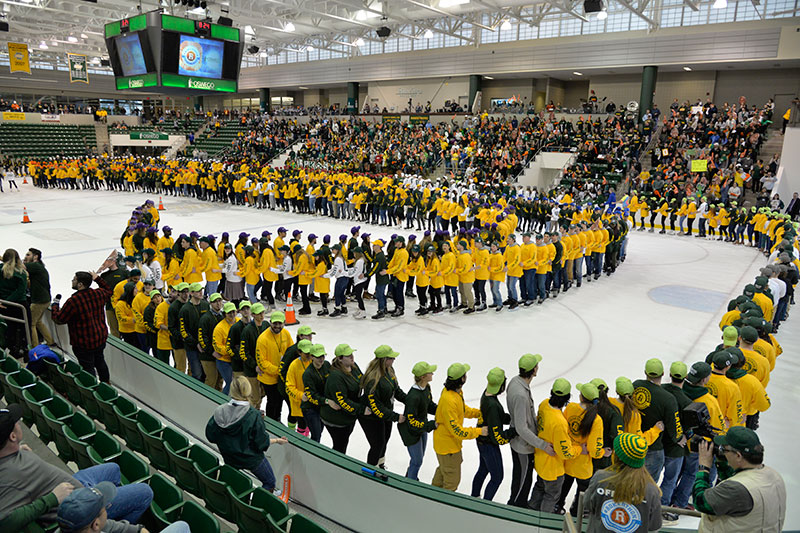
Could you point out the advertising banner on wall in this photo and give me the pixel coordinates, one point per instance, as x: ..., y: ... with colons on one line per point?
x: 51, y: 118
x: 77, y: 68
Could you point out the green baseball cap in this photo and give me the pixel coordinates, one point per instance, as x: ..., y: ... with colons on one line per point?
x: 737, y: 356
x: 422, y: 368
x: 722, y: 359
x: 624, y: 386
x: 457, y: 370
x: 495, y: 379
x: 343, y: 350
x: 588, y: 391
x: 306, y: 330
x: 182, y: 286
x: 277, y: 316
x: 739, y: 438
x: 305, y: 346
x: 678, y: 369
x: 654, y: 367
x: 700, y: 370
x: 154, y: 292
x: 729, y: 336
x: 318, y: 350
x: 214, y: 297
x: 196, y: 286
x: 599, y: 383
x: 749, y: 334
x: 244, y: 303
x: 257, y: 308
x: 228, y: 307
x: 384, y: 351
x: 561, y: 387
x: 529, y: 361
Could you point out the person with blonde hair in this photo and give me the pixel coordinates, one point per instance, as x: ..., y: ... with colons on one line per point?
x: 624, y: 497
x: 379, y: 390
x: 13, y: 286
x: 240, y: 434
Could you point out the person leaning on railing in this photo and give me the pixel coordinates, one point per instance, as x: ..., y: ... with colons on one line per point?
x: 751, y: 496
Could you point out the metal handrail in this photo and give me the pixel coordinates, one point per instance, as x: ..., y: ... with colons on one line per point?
x: 23, y: 320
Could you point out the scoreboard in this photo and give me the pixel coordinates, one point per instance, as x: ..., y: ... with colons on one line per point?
x: 173, y: 54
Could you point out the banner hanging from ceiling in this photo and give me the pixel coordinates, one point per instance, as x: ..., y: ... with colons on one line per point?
x: 77, y: 68
x: 19, y: 58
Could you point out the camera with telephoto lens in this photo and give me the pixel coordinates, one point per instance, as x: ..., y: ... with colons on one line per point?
x: 697, y: 423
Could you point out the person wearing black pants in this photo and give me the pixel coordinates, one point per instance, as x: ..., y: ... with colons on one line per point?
x: 343, y: 404
x: 379, y: 390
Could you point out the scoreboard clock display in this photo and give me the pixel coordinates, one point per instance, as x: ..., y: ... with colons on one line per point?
x: 202, y: 27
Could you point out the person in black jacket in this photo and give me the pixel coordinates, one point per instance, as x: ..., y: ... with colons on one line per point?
x: 379, y: 389
x: 493, y: 417
x: 419, y: 404
x: 342, y: 401
x: 241, y: 436
x: 314, y: 379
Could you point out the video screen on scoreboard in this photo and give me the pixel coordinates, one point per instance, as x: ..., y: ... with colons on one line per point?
x: 200, y: 57
x: 130, y: 55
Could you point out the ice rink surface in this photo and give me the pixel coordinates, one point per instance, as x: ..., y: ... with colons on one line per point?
x: 665, y: 301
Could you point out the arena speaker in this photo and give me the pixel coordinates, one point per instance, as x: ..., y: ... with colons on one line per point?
x: 224, y: 21
x: 383, y: 32
x: 253, y: 49
x: 3, y: 25
x: 105, y: 63
x: 592, y: 6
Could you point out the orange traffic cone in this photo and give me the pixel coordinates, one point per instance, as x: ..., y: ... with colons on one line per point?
x: 25, y: 219
x: 291, y: 320
x: 160, y: 204
x: 24, y: 180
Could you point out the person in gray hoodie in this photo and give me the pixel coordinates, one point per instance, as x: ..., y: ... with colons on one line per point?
x: 241, y: 436
x: 523, y: 419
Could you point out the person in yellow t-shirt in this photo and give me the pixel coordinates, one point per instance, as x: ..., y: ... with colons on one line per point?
x: 219, y: 342
x: 513, y: 270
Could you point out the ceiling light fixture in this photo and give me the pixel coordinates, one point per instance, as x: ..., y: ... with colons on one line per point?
x: 43, y: 45
x: 428, y: 34
x: 359, y: 42
x: 602, y: 15
x: 452, y: 3
x: 72, y: 39
x: 302, y: 88
x: 310, y: 48
x: 578, y: 73
x: 488, y: 78
x: 687, y: 69
x: 289, y: 27
x: 720, y: 4
x: 505, y: 26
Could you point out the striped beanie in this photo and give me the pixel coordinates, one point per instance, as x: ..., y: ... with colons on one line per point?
x: 631, y: 449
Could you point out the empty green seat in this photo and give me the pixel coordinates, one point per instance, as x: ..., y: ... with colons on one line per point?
x: 133, y: 469
x: 167, y: 498
x: 79, y: 424
x: 302, y: 524
x: 253, y: 509
x: 53, y: 414
x: 104, y: 448
x: 187, y: 463
x: 106, y: 396
x: 221, y: 486
x: 155, y: 445
x: 79, y: 434
x: 35, y: 397
x: 199, y: 520
x: 65, y: 372
x: 8, y: 366
x: 85, y: 383
x: 132, y: 429
x: 18, y: 382
x: 125, y: 412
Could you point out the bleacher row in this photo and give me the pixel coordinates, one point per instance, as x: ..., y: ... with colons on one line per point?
x: 214, y: 142
x: 167, y: 127
x: 46, y: 140
x: 49, y: 403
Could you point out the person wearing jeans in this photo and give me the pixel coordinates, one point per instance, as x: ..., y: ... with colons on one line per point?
x: 241, y: 436
x: 497, y: 275
x: 189, y: 318
x: 219, y: 340
x: 419, y: 404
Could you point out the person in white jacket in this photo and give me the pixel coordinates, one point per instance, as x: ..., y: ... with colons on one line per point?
x: 360, y: 280
x: 339, y: 272
x: 702, y: 211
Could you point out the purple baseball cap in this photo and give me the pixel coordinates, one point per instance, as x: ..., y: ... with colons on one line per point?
x: 326, y: 239
x: 296, y: 232
x: 243, y: 235
x: 343, y: 237
x: 225, y: 234
x: 366, y: 235
x: 266, y: 233
x: 355, y: 229
x: 412, y: 237
x: 311, y: 237
x: 282, y: 230
x: 427, y: 233
x: 167, y: 228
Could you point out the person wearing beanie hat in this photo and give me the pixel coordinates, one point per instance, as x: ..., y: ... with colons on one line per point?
x: 343, y: 402
x: 379, y: 391
x: 657, y: 405
x: 190, y: 328
x: 492, y: 417
x: 219, y: 343
x: 418, y: 405
x: 552, y: 427
x: 313, y: 397
x: 241, y: 436
x: 270, y: 347
x: 586, y: 431
x: 624, y: 497
x: 293, y: 382
x: 725, y: 390
x: 205, y: 337
x: 450, y: 433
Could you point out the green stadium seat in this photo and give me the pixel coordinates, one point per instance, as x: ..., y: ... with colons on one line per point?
x: 221, y: 486
x: 80, y: 426
x: 199, y: 520
x: 18, y: 382
x: 125, y: 412
x: 58, y: 410
x: 85, y: 383
x: 133, y: 469
x: 65, y: 379
x: 35, y: 397
x: 104, y: 448
x: 155, y: 444
x: 302, y: 524
x: 50, y: 371
x: 187, y: 463
x: 274, y: 526
x: 8, y: 366
x: 80, y: 434
x: 253, y: 508
x: 167, y: 498
x: 105, y: 396
x: 132, y: 429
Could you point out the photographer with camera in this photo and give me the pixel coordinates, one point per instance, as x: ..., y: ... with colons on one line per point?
x: 751, y: 496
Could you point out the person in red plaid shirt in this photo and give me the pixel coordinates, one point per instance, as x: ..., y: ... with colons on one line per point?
x: 84, y: 314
